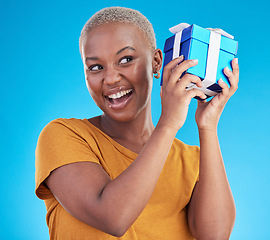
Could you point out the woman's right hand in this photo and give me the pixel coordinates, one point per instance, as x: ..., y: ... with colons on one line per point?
x: 175, y: 99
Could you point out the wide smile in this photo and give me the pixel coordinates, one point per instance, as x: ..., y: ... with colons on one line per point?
x: 120, y: 99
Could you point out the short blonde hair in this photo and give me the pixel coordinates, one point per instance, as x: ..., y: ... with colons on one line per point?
x: 121, y: 15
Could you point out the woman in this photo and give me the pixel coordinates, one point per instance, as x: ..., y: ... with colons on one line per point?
x: 117, y: 175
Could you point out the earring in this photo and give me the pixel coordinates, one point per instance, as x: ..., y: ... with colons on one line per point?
x: 157, y: 76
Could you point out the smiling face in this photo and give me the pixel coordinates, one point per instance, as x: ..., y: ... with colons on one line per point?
x: 118, y: 65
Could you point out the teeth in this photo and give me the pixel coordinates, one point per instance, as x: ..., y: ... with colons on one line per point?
x: 119, y: 94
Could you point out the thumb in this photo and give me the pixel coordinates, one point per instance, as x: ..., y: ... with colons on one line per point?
x: 201, y: 102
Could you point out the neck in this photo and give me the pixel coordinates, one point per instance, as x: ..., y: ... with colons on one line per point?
x: 132, y: 134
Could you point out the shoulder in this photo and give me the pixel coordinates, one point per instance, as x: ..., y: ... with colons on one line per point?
x: 63, y: 127
x: 184, y: 148
x: 189, y: 158
x: 188, y: 155
x: 61, y: 142
x: 60, y: 137
x: 60, y: 123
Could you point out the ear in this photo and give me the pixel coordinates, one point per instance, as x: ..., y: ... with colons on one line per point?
x: 157, y: 60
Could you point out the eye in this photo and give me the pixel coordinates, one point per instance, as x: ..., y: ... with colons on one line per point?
x: 125, y: 59
x: 95, y: 67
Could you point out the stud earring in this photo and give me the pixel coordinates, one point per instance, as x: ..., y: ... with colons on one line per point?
x: 157, y: 76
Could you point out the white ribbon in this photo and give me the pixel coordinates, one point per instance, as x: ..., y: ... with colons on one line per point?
x: 212, y: 57
x: 221, y: 32
x: 177, y: 30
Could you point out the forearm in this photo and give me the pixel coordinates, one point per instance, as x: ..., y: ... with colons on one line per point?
x: 215, y: 209
x: 125, y: 197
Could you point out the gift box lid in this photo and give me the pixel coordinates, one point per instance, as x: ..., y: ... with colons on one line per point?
x: 202, y: 34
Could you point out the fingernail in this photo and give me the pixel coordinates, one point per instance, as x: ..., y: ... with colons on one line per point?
x: 236, y: 60
x: 194, y: 60
x: 227, y: 69
x: 181, y: 57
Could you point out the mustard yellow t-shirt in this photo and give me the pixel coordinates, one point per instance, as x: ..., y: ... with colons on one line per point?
x: 65, y: 141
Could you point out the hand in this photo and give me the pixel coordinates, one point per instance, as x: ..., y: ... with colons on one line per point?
x: 175, y: 99
x: 208, y: 113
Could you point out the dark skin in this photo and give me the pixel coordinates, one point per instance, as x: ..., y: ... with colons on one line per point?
x: 125, y: 65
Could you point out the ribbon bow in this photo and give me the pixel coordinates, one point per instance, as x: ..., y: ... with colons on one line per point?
x: 180, y: 27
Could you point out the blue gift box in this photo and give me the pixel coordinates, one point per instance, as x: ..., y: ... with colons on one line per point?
x: 195, y: 43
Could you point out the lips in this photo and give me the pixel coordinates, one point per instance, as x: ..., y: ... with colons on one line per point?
x: 119, y: 99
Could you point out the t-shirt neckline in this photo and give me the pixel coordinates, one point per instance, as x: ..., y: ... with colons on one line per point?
x: 129, y: 153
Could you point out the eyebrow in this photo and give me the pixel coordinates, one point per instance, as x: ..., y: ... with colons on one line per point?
x: 91, y: 58
x: 127, y: 47
x: 121, y: 50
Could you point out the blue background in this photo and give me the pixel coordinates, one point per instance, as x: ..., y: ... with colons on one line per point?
x: 42, y: 79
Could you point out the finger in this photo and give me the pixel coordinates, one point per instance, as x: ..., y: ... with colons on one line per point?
x: 232, y: 79
x: 190, y: 78
x: 222, y: 98
x: 170, y: 66
x: 178, y: 70
x: 235, y: 68
x: 196, y: 93
x: 201, y: 102
x: 224, y: 86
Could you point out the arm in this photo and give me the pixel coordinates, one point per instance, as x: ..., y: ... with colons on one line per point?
x: 86, y: 191
x: 211, y: 211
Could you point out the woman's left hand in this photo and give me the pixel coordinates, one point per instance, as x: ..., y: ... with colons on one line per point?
x: 208, y: 113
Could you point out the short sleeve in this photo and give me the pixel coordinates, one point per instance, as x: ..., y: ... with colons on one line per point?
x: 197, y: 154
x: 59, y: 144
x: 193, y: 154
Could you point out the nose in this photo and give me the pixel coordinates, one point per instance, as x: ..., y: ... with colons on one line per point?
x: 111, y: 76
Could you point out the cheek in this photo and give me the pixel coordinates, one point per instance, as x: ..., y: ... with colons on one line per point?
x: 93, y: 86
x: 143, y: 69
x: 144, y: 75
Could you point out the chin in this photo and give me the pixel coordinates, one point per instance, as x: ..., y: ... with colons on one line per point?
x: 127, y: 115
x: 121, y: 117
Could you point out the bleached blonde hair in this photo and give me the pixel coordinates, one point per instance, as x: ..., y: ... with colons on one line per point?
x: 120, y: 15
